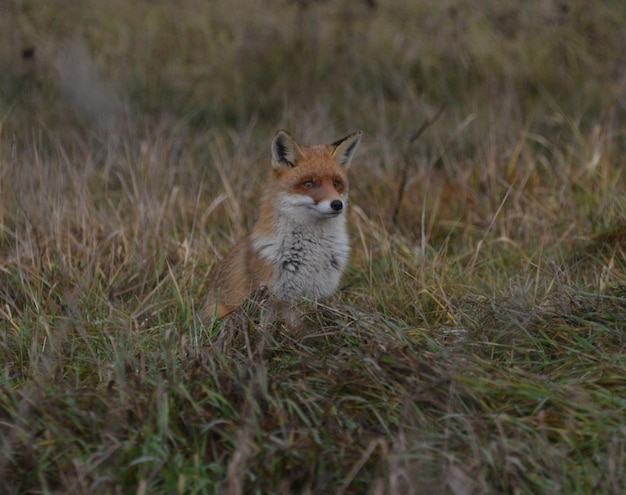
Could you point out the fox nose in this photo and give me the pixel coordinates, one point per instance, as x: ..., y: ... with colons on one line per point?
x: 336, y: 205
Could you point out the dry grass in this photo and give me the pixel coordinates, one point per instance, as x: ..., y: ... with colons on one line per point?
x: 478, y: 342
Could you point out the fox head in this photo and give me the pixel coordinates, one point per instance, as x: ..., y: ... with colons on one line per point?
x: 313, y: 181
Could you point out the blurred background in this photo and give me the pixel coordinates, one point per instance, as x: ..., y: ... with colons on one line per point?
x: 503, y: 91
x: 229, y: 61
x: 304, y: 64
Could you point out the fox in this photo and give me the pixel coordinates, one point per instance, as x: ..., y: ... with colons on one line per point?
x: 298, y: 247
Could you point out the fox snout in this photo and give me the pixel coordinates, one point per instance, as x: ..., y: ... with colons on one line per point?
x: 329, y: 208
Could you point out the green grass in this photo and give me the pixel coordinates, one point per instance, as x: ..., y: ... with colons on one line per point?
x: 478, y: 342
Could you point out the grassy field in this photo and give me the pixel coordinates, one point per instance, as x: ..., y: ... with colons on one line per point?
x: 478, y: 342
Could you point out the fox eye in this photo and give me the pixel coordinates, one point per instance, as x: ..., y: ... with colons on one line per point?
x: 337, y: 184
x: 308, y: 184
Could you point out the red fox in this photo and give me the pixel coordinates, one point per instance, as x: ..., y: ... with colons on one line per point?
x: 299, y: 245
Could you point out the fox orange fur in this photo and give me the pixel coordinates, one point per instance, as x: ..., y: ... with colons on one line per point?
x: 299, y: 246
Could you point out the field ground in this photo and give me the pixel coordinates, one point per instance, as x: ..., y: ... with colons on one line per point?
x: 478, y: 342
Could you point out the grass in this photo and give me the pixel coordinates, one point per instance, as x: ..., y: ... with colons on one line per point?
x: 477, y: 344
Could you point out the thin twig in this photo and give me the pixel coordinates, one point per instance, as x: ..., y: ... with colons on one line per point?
x: 404, y: 174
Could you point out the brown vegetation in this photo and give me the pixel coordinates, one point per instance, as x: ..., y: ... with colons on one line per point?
x: 477, y: 344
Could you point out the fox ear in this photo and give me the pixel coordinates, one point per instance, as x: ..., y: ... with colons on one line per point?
x: 286, y: 152
x: 345, y: 148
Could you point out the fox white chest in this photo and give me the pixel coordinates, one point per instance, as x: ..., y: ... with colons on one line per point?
x: 309, y: 259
